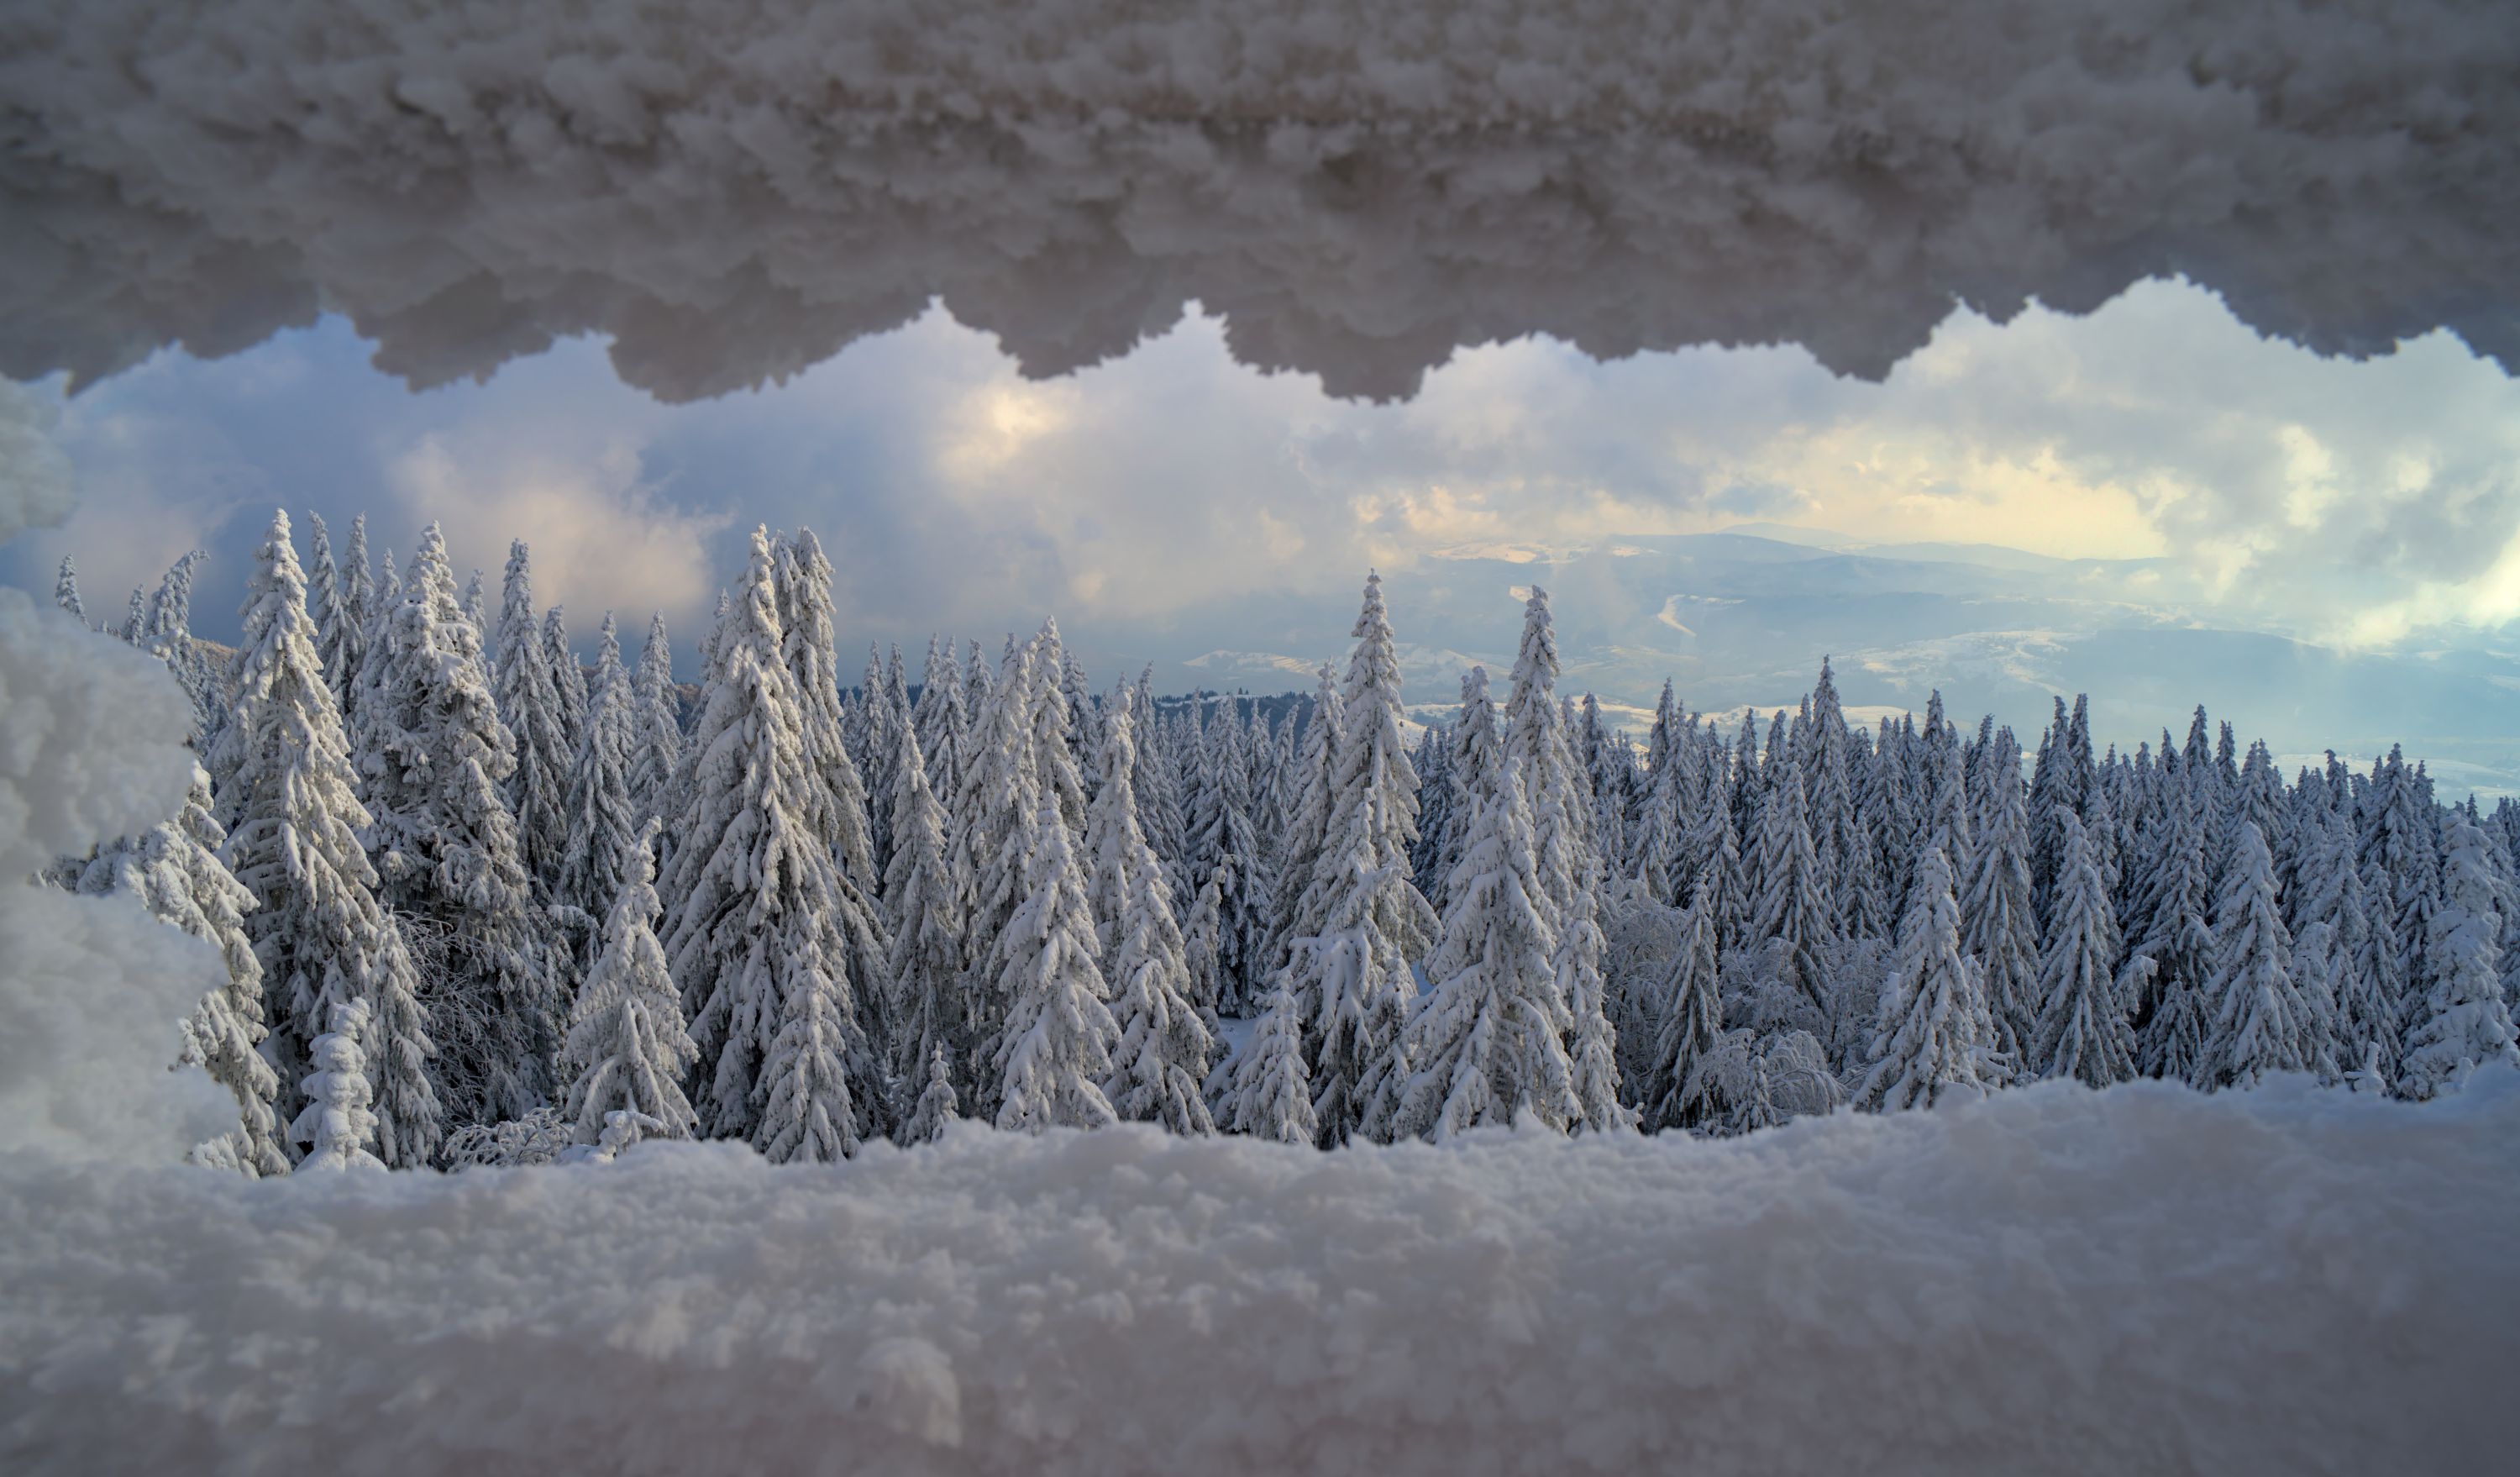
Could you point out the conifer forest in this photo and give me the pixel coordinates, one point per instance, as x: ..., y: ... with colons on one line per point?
x: 481, y: 903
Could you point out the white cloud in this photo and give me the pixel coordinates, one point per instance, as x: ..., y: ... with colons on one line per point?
x: 601, y: 538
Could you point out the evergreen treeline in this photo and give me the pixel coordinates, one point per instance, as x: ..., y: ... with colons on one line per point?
x: 470, y: 896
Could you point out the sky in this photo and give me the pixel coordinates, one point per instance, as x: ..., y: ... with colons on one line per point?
x: 1152, y: 500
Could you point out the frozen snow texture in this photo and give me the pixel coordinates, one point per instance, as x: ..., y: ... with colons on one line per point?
x: 733, y: 192
x: 2054, y: 1280
x: 91, y: 990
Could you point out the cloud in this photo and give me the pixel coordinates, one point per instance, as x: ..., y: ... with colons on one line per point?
x: 730, y: 192
x: 600, y: 539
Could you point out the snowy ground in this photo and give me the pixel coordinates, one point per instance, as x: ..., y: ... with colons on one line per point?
x: 2141, y: 1280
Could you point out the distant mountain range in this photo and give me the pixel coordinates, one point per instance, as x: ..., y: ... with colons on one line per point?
x: 1742, y: 619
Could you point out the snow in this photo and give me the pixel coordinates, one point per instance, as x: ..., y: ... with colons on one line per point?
x: 2142, y: 1280
x: 92, y: 988
x: 732, y: 192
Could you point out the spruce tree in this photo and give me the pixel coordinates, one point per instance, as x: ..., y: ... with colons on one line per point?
x: 1359, y: 920
x: 292, y: 840
x: 477, y: 608
x: 837, y: 810
x: 758, y: 918
x: 627, y: 1048
x: 656, y: 724
x: 173, y: 869
x: 923, y: 904
x: 937, y: 1105
x: 344, y: 620
x: 1537, y: 739
x: 1164, y: 1048
x: 1488, y: 1045
x: 1224, y: 847
x: 1054, y: 1049
x: 568, y: 678
x: 2082, y: 1031
x: 940, y: 721
x: 337, y: 1125
x: 1271, y: 1096
x: 603, y: 819
x: 433, y: 752
x: 1934, y: 1032
x: 1790, y: 911
x: 65, y: 591
x: 810, y: 648
x: 1997, y: 911
x: 2262, y: 1024
x: 2461, y: 1021
x: 2178, y: 946
x: 1692, y: 1024
x: 530, y: 705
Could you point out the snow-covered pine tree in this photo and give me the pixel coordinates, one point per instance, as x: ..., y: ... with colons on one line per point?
x: 836, y: 811
x: 1791, y: 917
x: 1488, y: 1044
x: 603, y: 821
x: 1164, y: 1048
x: 292, y: 840
x: 937, y: 1105
x: 756, y: 932
x: 656, y: 724
x: 433, y: 752
x: 2262, y: 1024
x: 65, y: 590
x: 477, y: 608
x: 344, y: 620
x: 1202, y: 932
x: 2083, y: 1032
x: 2000, y: 930
x: 1157, y: 783
x: 1054, y: 1049
x: 1271, y: 1096
x: 1299, y: 850
x: 923, y: 904
x: 941, y: 722
x: 174, y: 870
x: 337, y: 1126
x: 169, y: 633
x: 530, y: 705
x: 992, y: 823
x: 2170, y: 1037
x: 1224, y: 847
x: 2400, y: 856
x: 889, y: 704
x: 1692, y: 1024
x: 1934, y: 1033
x: 1471, y: 732
x: 1361, y: 921
x: 568, y: 678
x: 2461, y: 1021
x: 1053, y: 731
x: 1569, y: 865
x: 627, y: 1046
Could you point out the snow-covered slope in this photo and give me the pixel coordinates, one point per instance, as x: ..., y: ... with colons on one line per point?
x: 2057, y: 1282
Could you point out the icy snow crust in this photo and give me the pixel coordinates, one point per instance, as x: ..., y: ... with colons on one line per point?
x: 734, y: 191
x: 2055, y: 1280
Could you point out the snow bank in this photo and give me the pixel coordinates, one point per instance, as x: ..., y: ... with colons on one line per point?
x: 91, y: 989
x: 734, y: 190
x: 2055, y: 1281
